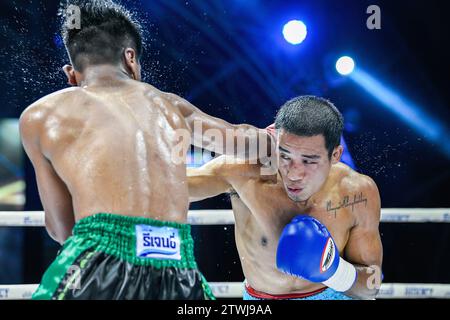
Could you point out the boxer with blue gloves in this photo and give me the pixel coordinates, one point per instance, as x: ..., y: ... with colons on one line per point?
x: 285, y: 255
x: 307, y: 250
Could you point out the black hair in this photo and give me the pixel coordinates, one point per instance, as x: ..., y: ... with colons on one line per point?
x: 106, y: 29
x: 309, y: 116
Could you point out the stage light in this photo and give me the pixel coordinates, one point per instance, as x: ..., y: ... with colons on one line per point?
x: 414, y: 115
x: 294, y: 32
x: 345, y: 65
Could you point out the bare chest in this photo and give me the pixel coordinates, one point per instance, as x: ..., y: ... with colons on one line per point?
x: 271, y: 210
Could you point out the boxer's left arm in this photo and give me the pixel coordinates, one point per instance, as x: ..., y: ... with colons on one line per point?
x: 199, y: 123
x: 364, y: 249
x: 55, y: 197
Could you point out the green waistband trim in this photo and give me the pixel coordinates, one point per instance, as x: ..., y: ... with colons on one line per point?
x: 116, y: 235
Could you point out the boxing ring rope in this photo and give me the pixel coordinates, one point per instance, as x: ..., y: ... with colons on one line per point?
x: 217, y: 217
x: 234, y: 289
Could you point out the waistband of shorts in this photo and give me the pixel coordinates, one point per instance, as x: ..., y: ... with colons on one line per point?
x: 262, y: 295
x: 115, y: 235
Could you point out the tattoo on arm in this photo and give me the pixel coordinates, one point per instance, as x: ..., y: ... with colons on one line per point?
x: 357, y: 199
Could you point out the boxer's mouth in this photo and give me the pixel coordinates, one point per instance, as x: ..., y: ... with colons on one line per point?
x: 295, y: 190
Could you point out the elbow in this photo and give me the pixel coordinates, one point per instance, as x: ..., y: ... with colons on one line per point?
x: 59, y: 237
x: 53, y: 235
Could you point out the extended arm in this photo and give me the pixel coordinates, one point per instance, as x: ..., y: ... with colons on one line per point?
x: 214, y: 134
x: 209, y: 180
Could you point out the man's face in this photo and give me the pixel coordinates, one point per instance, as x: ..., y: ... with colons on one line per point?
x: 303, y: 164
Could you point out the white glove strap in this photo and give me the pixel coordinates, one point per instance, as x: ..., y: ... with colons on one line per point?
x: 344, y: 277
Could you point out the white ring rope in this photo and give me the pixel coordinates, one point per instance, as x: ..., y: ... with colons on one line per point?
x: 215, y: 217
x: 235, y: 289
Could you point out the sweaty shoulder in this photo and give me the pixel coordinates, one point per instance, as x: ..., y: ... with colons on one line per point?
x: 50, y: 101
x: 38, y: 111
x: 182, y: 106
x: 350, y: 180
x: 361, y: 189
x: 168, y: 102
x: 34, y: 120
x: 157, y: 96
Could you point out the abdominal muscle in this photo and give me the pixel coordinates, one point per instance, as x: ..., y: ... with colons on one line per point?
x: 259, y: 262
x: 261, y: 274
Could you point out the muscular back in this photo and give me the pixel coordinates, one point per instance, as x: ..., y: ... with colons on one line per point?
x: 111, y: 146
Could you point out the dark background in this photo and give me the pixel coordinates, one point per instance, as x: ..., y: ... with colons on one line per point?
x: 229, y: 58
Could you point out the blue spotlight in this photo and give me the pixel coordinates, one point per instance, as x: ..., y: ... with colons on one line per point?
x: 432, y: 129
x: 345, y: 65
x: 294, y: 32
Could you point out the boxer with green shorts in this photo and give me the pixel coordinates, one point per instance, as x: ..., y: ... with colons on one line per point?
x: 115, y: 144
x: 117, y: 257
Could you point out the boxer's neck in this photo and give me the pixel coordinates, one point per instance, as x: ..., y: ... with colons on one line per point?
x: 103, y: 75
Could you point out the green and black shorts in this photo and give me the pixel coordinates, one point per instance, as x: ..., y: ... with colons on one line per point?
x: 118, y: 257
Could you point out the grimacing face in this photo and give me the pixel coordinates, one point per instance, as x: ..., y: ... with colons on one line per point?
x: 304, y: 165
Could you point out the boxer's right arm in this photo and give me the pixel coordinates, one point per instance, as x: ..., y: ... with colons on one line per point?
x: 209, y: 180
x: 55, y: 197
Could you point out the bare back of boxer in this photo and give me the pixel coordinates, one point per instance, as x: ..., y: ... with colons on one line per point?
x: 112, y: 144
x: 109, y: 157
x: 106, y: 174
x: 107, y: 148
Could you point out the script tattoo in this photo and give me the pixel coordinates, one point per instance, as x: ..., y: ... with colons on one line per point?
x: 357, y: 198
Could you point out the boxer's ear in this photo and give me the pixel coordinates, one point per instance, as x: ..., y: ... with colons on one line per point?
x: 132, y: 64
x: 70, y: 74
x: 337, y: 154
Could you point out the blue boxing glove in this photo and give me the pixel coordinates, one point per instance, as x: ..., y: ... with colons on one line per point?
x: 307, y: 250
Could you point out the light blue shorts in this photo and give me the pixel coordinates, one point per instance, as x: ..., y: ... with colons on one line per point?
x: 327, y: 294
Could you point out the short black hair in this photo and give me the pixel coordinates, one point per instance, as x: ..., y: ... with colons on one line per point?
x: 309, y: 116
x: 107, y: 28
